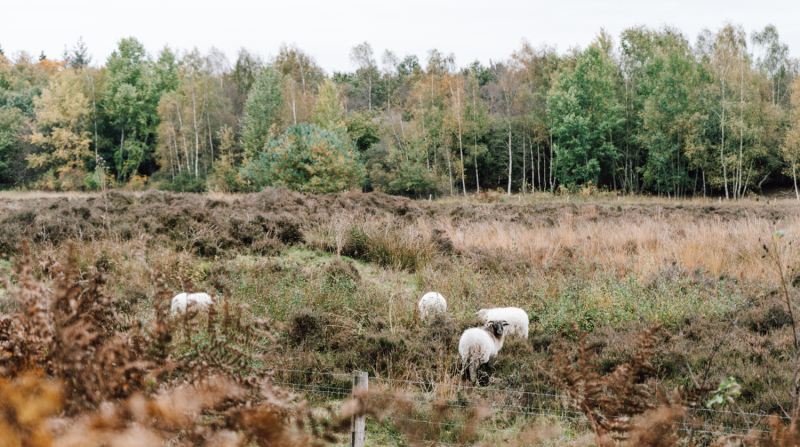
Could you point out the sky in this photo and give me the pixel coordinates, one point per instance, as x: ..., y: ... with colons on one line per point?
x: 327, y: 30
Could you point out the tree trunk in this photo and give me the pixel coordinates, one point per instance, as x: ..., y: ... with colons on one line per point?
x: 196, y: 135
x: 534, y: 170
x: 460, y: 146
x: 94, y: 115
x: 739, y: 191
x: 210, y: 139
x: 449, y: 167
x: 177, y: 151
x: 183, y: 137
x: 294, y: 107
x: 722, y: 144
x: 794, y: 177
x: 122, y: 144
x: 424, y: 135
x: 552, y: 179
x: 510, y: 155
x: 704, y: 183
x: 524, y: 166
x: 475, y: 153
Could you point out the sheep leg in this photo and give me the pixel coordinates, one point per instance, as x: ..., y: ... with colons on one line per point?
x: 473, y: 371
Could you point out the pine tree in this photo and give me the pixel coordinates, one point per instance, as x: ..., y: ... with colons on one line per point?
x: 79, y: 56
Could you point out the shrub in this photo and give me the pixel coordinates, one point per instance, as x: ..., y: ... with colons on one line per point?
x: 308, y: 159
x: 137, y: 182
x: 409, y: 178
x: 183, y: 182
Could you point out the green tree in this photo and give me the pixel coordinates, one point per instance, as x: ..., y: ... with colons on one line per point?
x: 11, y: 121
x: 79, y: 56
x: 307, y: 158
x: 774, y: 61
x: 670, y: 117
x: 329, y: 112
x: 585, y: 114
x: 261, y: 111
x: 363, y: 129
x: 191, y: 116
x: 131, y: 103
x: 790, y: 149
x: 721, y: 54
x: 476, y: 121
x: 367, y: 73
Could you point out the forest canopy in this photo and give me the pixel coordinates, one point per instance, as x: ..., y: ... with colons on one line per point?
x: 650, y: 110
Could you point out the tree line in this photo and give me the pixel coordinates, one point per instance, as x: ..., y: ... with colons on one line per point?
x: 645, y: 112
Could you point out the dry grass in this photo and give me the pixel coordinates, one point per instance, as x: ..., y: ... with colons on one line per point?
x: 784, y: 198
x: 29, y: 195
x: 639, y: 244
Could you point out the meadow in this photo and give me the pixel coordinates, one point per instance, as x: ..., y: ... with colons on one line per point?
x: 313, y: 287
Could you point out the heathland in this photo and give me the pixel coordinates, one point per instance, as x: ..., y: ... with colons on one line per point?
x: 327, y: 284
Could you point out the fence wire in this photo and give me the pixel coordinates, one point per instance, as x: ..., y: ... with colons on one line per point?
x: 438, y: 413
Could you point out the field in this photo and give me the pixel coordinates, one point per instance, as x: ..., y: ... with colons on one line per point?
x: 322, y: 286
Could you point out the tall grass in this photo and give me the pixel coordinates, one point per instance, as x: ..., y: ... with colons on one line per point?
x: 383, y: 241
x: 636, y: 243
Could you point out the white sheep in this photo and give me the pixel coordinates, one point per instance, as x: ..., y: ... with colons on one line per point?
x: 479, y: 344
x: 516, y: 318
x: 182, y: 301
x: 431, y: 302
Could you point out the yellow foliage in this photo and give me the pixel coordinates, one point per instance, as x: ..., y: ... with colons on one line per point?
x: 52, y: 66
x: 137, y: 183
x: 61, y: 114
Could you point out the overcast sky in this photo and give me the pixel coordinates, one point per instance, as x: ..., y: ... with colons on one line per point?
x: 327, y: 29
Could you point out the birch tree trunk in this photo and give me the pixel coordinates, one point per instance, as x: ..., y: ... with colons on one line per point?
x: 475, y: 153
x: 510, y: 154
x: 460, y: 145
x: 424, y: 135
x: 794, y: 177
x: 739, y: 191
x: 196, y: 135
x: 210, y: 139
x: 183, y: 138
x: 449, y: 167
x: 552, y: 180
x: 524, y: 166
x: 722, y: 143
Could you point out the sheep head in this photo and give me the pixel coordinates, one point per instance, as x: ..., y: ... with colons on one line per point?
x: 497, y: 327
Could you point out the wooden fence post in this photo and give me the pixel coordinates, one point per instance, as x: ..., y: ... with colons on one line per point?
x: 359, y: 422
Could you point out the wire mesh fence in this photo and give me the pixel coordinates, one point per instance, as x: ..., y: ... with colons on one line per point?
x: 455, y: 414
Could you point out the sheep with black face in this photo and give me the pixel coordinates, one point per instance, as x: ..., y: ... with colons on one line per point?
x: 516, y: 318
x: 479, y: 344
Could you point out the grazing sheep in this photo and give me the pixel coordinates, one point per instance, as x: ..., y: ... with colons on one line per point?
x: 479, y: 344
x: 431, y: 302
x: 182, y: 301
x: 517, y: 319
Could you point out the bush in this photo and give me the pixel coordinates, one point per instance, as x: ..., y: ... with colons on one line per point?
x: 137, y: 183
x: 407, y: 179
x: 308, y: 159
x: 183, y: 182
x: 93, y: 180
